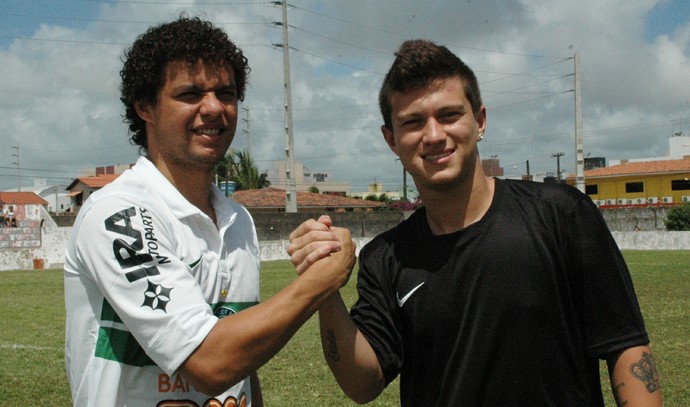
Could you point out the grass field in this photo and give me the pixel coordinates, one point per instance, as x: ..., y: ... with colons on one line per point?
x: 32, y: 323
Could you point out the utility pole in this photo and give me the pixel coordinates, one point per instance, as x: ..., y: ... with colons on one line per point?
x: 558, y: 164
x: 19, y: 169
x: 526, y: 176
x: 580, y: 166
x: 248, y: 131
x: 404, y: 184
x: 404, y: 180
x: 291, y: 186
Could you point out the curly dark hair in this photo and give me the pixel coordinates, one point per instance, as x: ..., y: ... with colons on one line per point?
x: 184, y: 40
x: 417, y: 64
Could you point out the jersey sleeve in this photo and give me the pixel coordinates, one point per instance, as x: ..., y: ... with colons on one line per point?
x: 130, y: 251
x: 612, y: 317
x: 375, y: 311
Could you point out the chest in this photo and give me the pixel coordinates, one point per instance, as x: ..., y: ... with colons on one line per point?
x: 481, y: 282
x: 225, y: 266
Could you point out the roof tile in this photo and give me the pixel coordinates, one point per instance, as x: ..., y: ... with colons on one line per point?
x: 21, y: 198
x: 275, y: 198
x: 96, y: 181
x: 647, y: 167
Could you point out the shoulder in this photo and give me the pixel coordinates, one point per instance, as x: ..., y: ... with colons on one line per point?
x: 408, y: 230
x: 127, y: 194
x: 563, y: 196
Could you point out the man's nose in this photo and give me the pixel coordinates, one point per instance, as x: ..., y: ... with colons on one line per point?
x: 210, y: 105
x: 434, y: 131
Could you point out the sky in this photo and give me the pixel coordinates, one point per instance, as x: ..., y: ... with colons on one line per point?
x: 60, y: 111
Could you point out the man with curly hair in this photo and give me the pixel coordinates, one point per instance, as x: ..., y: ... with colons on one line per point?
x: 162, y: 270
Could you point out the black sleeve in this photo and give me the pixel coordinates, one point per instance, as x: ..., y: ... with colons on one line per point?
x: 611, y: 314
x: 375, y: 311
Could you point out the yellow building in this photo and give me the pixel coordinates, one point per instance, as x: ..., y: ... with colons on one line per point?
x: 656, y: 183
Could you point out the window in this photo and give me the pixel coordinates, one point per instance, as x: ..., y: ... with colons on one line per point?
x: 592, y: 189
x: 680, y: 184
x: 634, y: 187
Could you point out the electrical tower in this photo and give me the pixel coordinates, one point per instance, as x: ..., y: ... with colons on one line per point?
x: 248, y: 131
x: 19, y: 169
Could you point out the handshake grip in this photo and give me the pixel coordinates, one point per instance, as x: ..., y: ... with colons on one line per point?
x: 341, y: 262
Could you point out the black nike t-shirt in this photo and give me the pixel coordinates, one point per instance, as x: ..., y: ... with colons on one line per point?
x: 515, y: 309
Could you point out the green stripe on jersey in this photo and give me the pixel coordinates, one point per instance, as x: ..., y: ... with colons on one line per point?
x: 120, y: 346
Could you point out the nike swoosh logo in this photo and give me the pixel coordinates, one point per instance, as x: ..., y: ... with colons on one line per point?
x: 407, y: 296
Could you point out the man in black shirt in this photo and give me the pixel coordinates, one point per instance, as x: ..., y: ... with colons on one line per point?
x: 495, y: 292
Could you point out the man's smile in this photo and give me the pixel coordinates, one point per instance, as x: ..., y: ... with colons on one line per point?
x: 436, y: 157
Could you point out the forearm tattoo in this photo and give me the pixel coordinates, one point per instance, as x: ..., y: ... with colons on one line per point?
x: 645, y: 371
x: 332, y: 346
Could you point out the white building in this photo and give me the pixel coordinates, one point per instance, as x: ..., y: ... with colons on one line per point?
x: 305, y: 179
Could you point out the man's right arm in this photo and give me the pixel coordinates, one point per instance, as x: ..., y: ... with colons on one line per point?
x: 241, y: 343
x: 348, y: 353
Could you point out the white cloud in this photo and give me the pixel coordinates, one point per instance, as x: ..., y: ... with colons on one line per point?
x: 61, y: 105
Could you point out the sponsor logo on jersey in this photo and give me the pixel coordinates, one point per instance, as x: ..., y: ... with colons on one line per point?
x: 137, y: 253
x: 224, y: 309
x: 176, y: 384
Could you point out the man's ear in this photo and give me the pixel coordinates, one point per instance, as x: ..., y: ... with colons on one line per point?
x: 388, y: 136
x: 481, y: 120
x: 144, y: 111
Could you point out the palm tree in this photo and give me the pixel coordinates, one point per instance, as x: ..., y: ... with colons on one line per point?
x: 239, y: 167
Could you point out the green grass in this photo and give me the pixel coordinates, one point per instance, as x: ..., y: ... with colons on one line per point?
x: 32, y: 338
x: 662, y: 283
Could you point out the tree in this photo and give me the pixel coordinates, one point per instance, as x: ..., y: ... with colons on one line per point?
x: 239, y: 167
x: 678, y: 217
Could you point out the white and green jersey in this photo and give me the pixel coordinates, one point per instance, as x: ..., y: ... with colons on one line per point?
x: 147, y: 276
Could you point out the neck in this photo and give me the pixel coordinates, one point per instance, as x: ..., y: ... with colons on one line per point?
x: 192, y: 183
x: 450, y: 210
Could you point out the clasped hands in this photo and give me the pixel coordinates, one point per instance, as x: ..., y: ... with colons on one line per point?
x: 318, y: 244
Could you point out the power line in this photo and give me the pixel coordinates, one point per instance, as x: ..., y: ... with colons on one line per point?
x: 358, y: 68
x: 343, y: 42
x: 103, y: 20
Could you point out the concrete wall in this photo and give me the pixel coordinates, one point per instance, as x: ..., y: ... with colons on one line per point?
x: 54, y: 240
x: 51, y: 253
x: 277, y: 226
x: 652, y: 240
x: 628, y: 219
x: 273, y: 229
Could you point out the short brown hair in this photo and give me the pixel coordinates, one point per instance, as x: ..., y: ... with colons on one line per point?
x: 417, y: 64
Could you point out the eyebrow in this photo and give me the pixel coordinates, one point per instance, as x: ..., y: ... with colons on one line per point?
x: 445, y: 109
x: 194, y: 86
